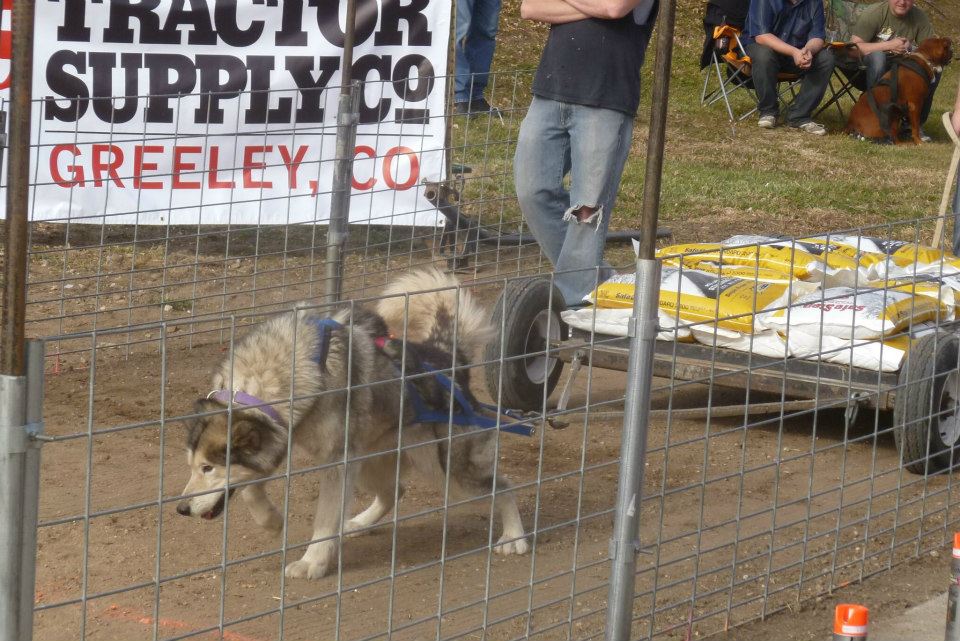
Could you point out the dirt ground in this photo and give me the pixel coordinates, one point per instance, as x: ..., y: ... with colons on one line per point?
x: 742, y: 518
x: 730, y: 523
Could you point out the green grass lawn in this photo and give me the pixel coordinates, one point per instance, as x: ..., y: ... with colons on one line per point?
x: 720, y: 179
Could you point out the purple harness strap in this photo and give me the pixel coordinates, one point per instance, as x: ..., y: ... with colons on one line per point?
x: 242, y: 398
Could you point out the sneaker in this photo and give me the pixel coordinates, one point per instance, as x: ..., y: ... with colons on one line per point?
x: 476, y: 107
x: 811, y: 127
x: 767, y: 122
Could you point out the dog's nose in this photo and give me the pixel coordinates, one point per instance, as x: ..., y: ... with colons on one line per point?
x: 183, y: 508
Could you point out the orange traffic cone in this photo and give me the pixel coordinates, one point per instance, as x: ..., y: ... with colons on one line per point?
x: 850, y: 622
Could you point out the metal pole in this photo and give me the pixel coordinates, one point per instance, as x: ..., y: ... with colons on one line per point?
x: 13, y: 395
x: 625, y: 544
x: 18, y: 181
x: 21, y: 413
x: 658, y: 130
x: 31, y: 486
x: 338, y: 230
x: 347, y: 118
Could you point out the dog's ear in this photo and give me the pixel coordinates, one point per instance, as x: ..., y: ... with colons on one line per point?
x: 196, y: 424
x: 257, y: 443
x: 247, y: 435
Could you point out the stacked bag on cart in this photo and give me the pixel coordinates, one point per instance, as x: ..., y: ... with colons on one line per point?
x: 849, y: 299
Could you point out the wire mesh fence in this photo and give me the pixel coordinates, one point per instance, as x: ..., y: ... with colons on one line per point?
x: 225, y: 237
x: 790, y: 453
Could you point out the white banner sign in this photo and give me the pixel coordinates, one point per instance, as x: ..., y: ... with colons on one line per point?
x: 225, y: 111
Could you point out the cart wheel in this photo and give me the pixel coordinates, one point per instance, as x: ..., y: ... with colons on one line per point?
x: 532, y: 317
x: 926, y: 413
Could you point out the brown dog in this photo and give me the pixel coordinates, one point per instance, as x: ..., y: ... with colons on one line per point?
x: 878, y: 112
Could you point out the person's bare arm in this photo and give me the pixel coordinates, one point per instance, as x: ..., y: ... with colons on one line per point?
x: 608, y: 9
x: 550, y: 11
x: 955, y: 116
x: 814, y: 45
x: 775, y: 43
x: 893, y: 45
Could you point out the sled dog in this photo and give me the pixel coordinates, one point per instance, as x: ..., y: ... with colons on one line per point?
x: 331, y: 386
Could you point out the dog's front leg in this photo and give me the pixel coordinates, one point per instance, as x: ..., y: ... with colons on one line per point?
x: 321, y: 555
x: 261, y: 509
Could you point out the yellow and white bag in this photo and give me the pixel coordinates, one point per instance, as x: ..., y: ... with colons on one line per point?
x: 716, y: 311
x: 786, y: 257
x: 616, y: 322
x: 849, y: 313
x: 887, y: 258
x: 885, y: 355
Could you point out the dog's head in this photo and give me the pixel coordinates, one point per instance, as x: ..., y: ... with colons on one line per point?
x: 257, y: 447
x: 939, y: 51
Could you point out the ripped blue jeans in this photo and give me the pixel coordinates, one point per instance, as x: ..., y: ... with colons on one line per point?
x: 590, y: 145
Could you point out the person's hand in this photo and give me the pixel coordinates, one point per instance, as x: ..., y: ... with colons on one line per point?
x: 898, y: 45
x: 803, y: 58
x: 955, y: 121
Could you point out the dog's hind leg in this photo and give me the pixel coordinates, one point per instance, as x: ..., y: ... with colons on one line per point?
x: 321, y: 555
x: 261, y: 509
x: 378, y: 476
x: 471, y: 475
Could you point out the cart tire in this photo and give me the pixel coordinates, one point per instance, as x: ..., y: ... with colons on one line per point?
x: 926, y: 412
x: 532, y: 309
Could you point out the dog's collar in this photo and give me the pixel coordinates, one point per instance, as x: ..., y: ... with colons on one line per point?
x: 239, y: 397
x: 932, y: 69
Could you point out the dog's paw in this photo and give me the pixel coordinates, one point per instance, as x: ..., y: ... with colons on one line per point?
x: 511, y: 545
x: 305, y: 570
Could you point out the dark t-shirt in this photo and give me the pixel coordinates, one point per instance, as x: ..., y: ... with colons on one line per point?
x: 594, y: 62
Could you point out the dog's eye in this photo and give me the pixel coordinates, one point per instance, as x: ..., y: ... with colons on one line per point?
x: 206, y: 469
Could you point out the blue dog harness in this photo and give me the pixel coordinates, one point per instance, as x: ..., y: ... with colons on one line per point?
x: 465, y: 417
x: 324, y: 327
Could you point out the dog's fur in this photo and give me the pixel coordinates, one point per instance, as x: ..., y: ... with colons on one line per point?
x: 912, y: 89
x: 323, y: 412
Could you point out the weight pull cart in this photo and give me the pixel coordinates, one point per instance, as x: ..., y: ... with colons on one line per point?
x: 924, y: 394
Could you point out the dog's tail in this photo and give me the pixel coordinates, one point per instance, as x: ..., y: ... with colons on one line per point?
x: 427, y: 306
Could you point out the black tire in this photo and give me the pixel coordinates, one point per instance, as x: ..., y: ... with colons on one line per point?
x: 531, y: 311
x: 926, y: 413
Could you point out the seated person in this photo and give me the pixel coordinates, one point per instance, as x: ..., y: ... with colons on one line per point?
x: 721, y: 12
x: 785, y: 36
x: 888, y: 28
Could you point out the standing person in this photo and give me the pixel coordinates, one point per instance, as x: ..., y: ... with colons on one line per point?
x: 585, y: 96
x: 889, y: 28
x: 788, y: 36
x: 476, y: 39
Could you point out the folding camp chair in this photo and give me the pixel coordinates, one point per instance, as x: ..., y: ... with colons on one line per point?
x: 849, y: 73
x: 729, y: 68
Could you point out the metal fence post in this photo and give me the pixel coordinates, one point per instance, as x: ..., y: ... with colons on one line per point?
x: 347, y: 118
x: 18, y: 184
x: 21, y: 370
x: 625, y: 543
x: 21, y: 410
x: 338, y: 230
